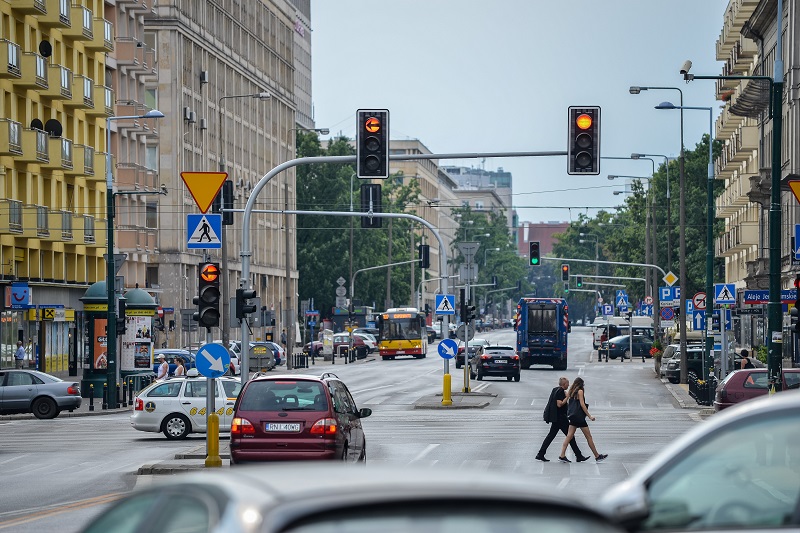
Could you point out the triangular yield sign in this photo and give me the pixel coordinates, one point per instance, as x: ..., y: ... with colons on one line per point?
x: 204, y: 186
x: 794, y: 185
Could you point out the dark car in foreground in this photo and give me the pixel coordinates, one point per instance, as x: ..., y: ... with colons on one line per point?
x: 297, y: 417
x: 620, y: 346
x: 318, y: 497
x: 737, y: 471
x: 500, y: 361
x: 746, y: 384
x: 31, y: 391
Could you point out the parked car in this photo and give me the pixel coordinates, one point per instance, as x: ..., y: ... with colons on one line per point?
x: 746, y: 384
x: 620, y: 346
x: 695, y: 353
x: 278, y: 351
x: 333, y: 497
x: 369, y: 341
x: 177, y: 406
x: 315, y: 346
x: 431, y: 334
x: 296, y: 417
x: 495, y: 361
x: 372, y: 331
x: 170, y: 355
x: 737, y: 471
x: 31, y: 391
x: 343, y: 340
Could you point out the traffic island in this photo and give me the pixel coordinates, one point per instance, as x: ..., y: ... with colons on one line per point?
x: 461, y: 400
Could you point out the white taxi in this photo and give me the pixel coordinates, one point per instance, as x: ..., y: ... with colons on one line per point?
x: 177, y: 405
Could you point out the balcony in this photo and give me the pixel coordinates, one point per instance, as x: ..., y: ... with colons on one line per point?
x: 727, y: 123
x: 734, y: 197
x: 59, y: 82
x: 10, y: 137
x: 129, y: 108
x: 83, y: 28
x: 29, y: 7
x: 103, y: 99
x: 66, y: 225
x: 737, y: 239
x: 102, y: 36
x: 149, y: 60
x: 136, y: 239
x: 55, y: 220
x: 736, y: 15
x: 58, y: 15
x: 83, y: 161
x: 100, y: 162
x: 34, y: 147
x: 34, y: 221
x: 10, y: 217
x: 743, y: 143
x: 151, y: 180
x: 42, y: 222
x: 85, y: 230
x: 60, y: 154
x: 129, y: 53
x: 742, y: 54
x: 34, y: 72
x: 130, y: 176
x: 10, y: 59
x: 83, y: 95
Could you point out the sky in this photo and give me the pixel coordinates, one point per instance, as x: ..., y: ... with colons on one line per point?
x: 480, y: 76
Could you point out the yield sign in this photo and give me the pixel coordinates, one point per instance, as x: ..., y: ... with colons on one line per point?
x: 794, y: 185
x: 204, y: 186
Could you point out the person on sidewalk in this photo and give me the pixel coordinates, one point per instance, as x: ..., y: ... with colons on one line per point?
x: 180, y: 370
x: 19, y: 356
x: 577, y: 411
x: 163, y: 368
x: 556, y: 416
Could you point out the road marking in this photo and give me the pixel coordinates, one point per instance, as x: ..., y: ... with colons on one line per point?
x: 507, y: 401
x: 44, y: 512
x: 425, y: 452
x: 14, y: 458
x: 563, y: 483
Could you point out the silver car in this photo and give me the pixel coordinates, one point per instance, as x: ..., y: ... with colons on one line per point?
x: 740, y: 471
x: 31, y: 391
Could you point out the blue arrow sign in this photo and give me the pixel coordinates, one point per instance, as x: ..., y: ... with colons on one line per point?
x: 212, y: 360
x: 447, y: 348
x: 699, y: 319
x: 647, y: 310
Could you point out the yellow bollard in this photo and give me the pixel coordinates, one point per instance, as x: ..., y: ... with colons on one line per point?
x: 212, y: 442
x: 446, y: 399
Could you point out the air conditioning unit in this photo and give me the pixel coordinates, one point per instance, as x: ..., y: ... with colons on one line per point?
x: 187, y: 113
x: 203, y: 124
x: 203, y: 76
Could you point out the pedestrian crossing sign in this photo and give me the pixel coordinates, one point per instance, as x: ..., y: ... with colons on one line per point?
x: 724, y: 293
x: 204, y: 231
x: 445, y: 304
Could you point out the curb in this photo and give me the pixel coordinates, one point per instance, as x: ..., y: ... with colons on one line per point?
x: 67, y: 414
x: 434, y: 401
x: 168, y: 469
x: 686, y: 404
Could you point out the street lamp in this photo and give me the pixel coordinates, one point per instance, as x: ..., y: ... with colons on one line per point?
x: 648, y: 228
x: 669, y: 204
x: 709, y: 228
x: 488, y: 250
x: 596, y: 249
x: 226, y: 301
x: 111, y: 269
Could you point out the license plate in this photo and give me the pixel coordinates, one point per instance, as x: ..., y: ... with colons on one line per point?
x: 499, y: 361
x: 282, y: 427
x: 401, y: 351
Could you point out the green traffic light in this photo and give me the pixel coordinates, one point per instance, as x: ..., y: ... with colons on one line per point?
x: 534, y: 261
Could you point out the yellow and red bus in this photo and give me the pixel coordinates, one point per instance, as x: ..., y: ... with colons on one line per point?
x: 402, y: 331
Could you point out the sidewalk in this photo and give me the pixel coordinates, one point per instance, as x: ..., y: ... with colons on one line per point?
x: 82, y: 411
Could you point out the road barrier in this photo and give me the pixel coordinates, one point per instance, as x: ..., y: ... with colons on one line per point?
x: 702, y: 390
x: 299, y: 360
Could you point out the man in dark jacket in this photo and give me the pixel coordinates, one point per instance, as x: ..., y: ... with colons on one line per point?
x: 556, y: 411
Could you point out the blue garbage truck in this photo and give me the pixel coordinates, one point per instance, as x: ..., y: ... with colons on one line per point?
x: 542, y: 326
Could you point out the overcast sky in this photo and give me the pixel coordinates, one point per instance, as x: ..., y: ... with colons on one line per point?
x: 474, y: 75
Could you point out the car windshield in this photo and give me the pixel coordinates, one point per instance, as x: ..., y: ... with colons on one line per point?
x: 401, y: 329
x: 284, y: 395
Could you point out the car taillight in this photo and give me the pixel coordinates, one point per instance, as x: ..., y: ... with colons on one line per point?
x: 73, y: 389
x: 242, y: 426
x: 484, y: 357
x: 613, y: 345
x: 138, y: 405
x: 515, y: 357
x: 324, y: 426
x: 722, y: 394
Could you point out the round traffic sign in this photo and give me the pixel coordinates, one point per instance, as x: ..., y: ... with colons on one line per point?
x: 212, y: 360
x: 667, y: 313
x: 699, y: 300
x: 447, y: 348
x: 648, y: 300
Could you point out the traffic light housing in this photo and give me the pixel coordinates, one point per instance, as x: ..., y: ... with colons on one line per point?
x: 372, y: 143
x: 583, y: 144
x: 565, y: 272
x: 243, y: 305
x: 472, y: 312
x: 424, y: 256
x: 566, y: 286
x: 715, y: 323
x: 535, y: 258
x: 427, y: 310
x: 494, y: 281
x: 224, y: 201
x: 208, y: 295
x: 121, y: 321
x: 579, y: 282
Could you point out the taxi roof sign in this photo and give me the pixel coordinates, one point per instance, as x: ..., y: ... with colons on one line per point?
x: 204, y: 186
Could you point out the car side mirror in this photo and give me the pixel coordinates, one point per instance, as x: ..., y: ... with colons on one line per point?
x: 364, y: 412
x: 626, y: 503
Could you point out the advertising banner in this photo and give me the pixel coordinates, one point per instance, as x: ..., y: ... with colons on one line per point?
x: 137, y: 344
x: 100, y: 344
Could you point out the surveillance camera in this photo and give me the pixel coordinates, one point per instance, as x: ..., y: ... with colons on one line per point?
x: 687, y: 66
x: 164, y: 188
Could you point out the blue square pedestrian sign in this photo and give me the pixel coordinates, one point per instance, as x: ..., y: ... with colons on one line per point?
x: 445, y: 304
x: 204, y: 231
x: 724, y: 293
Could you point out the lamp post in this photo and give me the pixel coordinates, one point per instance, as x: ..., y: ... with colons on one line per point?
x: 226, y: 303
x: 669, y: 204
x: 649, y: 229
x: 486, y: 251
x: 709, y: 230
x: 596, y: 249
x: 681, y: 215
x: 111, y: 272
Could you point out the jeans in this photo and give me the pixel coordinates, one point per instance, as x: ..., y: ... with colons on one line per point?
x: 561, y: 425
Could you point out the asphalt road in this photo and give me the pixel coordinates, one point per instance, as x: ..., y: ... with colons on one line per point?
x: 58, y: 473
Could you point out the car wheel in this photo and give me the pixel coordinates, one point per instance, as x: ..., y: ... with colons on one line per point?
x: 175, y: 427
x: 516, y: 378
x: 44, y: 408
x: 363, y: 457
x: 626, y: 355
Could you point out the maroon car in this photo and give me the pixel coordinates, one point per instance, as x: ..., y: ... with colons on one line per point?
x: 296, y: 417
x: 741, y: 385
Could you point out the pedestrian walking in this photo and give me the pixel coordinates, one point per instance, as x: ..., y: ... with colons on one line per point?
x: 19, y: 356
x: 163, y: 368
x: 180, y: 370
x: 746, y: 362
x: 283, y: 338
x: 556, y: 416
x: 577, y: 412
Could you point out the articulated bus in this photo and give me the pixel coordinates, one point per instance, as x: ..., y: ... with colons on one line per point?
x: 402, y: 331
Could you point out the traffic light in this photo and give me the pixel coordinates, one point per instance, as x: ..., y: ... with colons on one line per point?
x: 121, y: 322
x: 536, y: 260
x: 566, y: 286
x: 243, y: 306
x: 472, y: 313
x: 715, y: 321
x: 372, y: 143
x: 224, y: 200
x: 583, y: 144
x: 427, y: 310
x: 208, y: 295
x: 424, y: 256
x: 565, y: 272
x: 579, y: 282
x: 371, y: 203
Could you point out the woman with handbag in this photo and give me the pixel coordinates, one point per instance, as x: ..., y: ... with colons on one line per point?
x: 577, y: 411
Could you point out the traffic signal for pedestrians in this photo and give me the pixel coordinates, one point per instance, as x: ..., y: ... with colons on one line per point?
x: 579, y: 282
x: 534, y: 253
x: 565, y: 272
x: 208, y: 296
x: 424, y: 256
x: 371, y: 203
x: 372, y: 143
x: 243, y: 305
x: 583, y: 148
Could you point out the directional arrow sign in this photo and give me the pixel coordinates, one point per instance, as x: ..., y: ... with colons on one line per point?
x: 699, y: 300
x: 699, y: 319
x: 212, y: 360
x: 447, y: 348
x: 204, y: 186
